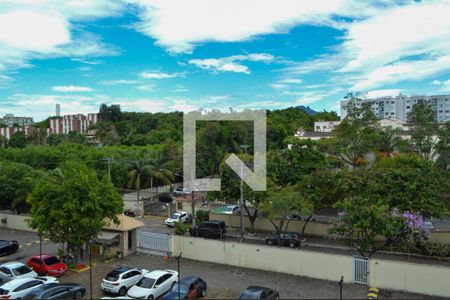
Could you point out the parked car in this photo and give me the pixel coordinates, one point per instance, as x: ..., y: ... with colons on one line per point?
x: 289, y: 239
x: 17, y: 270
x: 129, y: 213
x: 119, y: 280
x: 57, y: 291
x: 180, y: 191
x: 18, y: 288
x: 191, y: 287
x: 228, y: 210
x: 47, y: 265
x: 209, y: 229
x: 259, y: 292
x: 4, y: 279
x: 8, y: 247
x: 154, y: 284
x: 179, y: 216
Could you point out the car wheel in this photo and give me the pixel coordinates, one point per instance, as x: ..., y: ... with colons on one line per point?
x: 122, y: 291
x: 269, y: 242
x: 77, y: 295
x: 292, y: 245
x: 150, y: 297
x: 203, y: 293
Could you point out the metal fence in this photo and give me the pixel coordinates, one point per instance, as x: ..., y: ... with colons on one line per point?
x: 154, y: 243
x: 360, y: 270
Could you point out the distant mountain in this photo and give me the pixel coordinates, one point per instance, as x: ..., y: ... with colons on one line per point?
x: 308, y: 110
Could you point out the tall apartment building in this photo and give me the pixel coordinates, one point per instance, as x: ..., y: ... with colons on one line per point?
x: 10, y: 120
x: 77, y: 123
x: 398, y: 107
x: 7, y: 132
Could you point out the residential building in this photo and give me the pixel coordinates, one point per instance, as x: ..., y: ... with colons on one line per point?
x: 77, y: 123
x: 8, y: 131
x: 399, y: 106
x: 11, y: 120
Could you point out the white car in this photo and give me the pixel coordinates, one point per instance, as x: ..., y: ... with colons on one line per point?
x: 179, y: 216
x: 17, y: 270
x: 154, y: 284
x: 119, y: 280
x: 231, y: 210
x: 18, y: 288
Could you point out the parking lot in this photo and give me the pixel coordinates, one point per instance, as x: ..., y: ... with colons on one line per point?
x: 223, y: 281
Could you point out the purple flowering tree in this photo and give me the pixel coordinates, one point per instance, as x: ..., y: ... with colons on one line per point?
x: 370, y: 227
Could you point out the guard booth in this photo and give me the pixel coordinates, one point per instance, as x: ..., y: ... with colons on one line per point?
x: 118, y: 238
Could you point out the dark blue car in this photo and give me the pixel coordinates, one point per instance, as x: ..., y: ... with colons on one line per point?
x: 191, y: 287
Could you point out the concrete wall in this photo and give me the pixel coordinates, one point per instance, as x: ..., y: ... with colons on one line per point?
x: 404, y: 276
x: 285, y: 260
x: 313, y: 228
x: 16, y: 222
x: 384, y: 274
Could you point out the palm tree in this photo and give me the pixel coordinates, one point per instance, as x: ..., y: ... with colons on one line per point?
x: 160, y: 172
x: 138, y: 170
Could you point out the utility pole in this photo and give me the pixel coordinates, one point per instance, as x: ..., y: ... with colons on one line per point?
x: 40, y: 247
x: 178, y: 264
x: 193, y: 208
x: 108, y: 161
x: 241, y: 198
x: 90, y: 269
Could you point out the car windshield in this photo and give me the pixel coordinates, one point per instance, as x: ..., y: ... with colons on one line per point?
x: 51, y: 261
x: 4, y: 279
x: 21, y: 270
x: 146, y: 283
x: 112, y: 276
x: 229, y: 208
x: 175, y: 216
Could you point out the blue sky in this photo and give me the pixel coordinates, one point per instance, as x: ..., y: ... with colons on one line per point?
x: 165, y: 55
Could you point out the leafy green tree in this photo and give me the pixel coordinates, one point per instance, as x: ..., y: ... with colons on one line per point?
x: 70, y: 205
x: 16, y: 182
x: 76, y: 137
x: 423, y: 127
x: 442, y: 147
x: 355, y: 136
x: 18, y: 140
x: 55, y: 139
x: 159, y: 171
x: 281, y: 203
x: 370, y: 227
x: 388, y: 141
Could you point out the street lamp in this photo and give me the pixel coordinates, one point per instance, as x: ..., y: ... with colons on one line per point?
x: 90, y: 269
x: 178, y: 266
x: 341, y: 283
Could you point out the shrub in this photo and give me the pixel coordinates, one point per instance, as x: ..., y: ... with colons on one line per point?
x: 181, y: 228
x: 201, y: 216
x: 435, y: 249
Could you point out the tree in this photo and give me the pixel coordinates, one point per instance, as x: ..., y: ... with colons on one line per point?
x: 388, y: 141
x: 160, y: 172
x: 355, y: 136
x: 281, y: 203
x: 423, y: 128
x: 18, y: 140
x: 442, y: 147
x: 70, y: 205
x: 370, y: 227
x: 16, y: 182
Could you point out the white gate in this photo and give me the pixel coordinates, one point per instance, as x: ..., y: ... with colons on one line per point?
x: 154, y: 243
x: 360, y: 270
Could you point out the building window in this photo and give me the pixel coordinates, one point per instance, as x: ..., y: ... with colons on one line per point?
x: 408, y: 107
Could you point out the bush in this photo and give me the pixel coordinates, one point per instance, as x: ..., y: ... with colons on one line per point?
x: 181, y: 228
x: 201, y: 216
x: 435, y: 249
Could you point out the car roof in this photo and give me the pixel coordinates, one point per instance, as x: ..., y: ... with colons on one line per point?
x: 12, y: 264
x: 17, y: 281
x: 122, y: 269
x: 189, y: 279
x: 156, y: 274
x: 44, y: 256
x: 180, y: 212
x: 46, y: 287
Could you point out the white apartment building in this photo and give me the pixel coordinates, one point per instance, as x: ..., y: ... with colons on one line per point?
x: 11, y: 120
x: 399, y: 106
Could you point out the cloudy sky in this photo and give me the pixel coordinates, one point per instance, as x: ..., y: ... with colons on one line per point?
x: 164, y: 55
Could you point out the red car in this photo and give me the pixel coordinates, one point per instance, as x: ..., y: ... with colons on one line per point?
x: 47, y: 265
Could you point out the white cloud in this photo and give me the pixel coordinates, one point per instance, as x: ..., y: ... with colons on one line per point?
x: 444, y: 86
x: 436, y: 82
x: 146, y: 87
x: 382, y: 93
x: 87, y: 61
x: 230, y: 63
x: 291, y: 81
x: 117, y: 82
x: 44, y: 29
x: 71, y: 88
x: 180, y: 25
x: 159, y: 75
x: 285, y: 83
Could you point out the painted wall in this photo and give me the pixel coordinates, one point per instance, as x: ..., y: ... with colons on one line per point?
x: 384, y: 274
x: 16, y: 222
